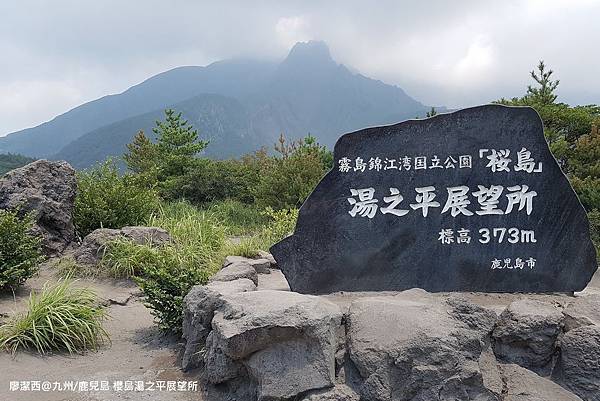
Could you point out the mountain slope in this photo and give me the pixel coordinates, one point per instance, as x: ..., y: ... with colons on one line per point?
x: 223, y: 117
x: 235, y: 78
x: 238, y: 105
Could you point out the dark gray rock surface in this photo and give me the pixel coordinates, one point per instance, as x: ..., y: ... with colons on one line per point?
x: 350, y: 239
x: 284, y: 342
x: 579, y: 367
x: 418, y: 348
x: 526, y: 334
x: 198, y: 310
x: 48, y: 190
x: 524, y: 385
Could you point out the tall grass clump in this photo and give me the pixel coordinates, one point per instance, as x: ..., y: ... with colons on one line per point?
x: 107, y: 199
x: 167, y: 273
x: 20, y: 251
x: 238, y: 218
x: 280, y: 224
x: 60, y: 317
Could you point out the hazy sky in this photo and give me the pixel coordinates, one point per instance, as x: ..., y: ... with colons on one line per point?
x: 58, y: 54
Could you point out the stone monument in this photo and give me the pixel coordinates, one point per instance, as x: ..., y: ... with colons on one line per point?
x: 466, y: 201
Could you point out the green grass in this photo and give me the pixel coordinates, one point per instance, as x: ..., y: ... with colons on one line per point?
x: 60, y: 317
x: 238, y: 218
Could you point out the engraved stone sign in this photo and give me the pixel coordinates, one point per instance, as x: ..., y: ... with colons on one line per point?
x: 466, y: 201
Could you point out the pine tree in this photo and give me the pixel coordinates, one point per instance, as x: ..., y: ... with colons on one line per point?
x: 544, y: 94
x: 142, y: 154
x: 177, y: 145
x: 431, y: 113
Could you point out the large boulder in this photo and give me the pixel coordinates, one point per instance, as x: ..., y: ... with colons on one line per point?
x: 94, y: 244
x: 527, y: 334
x: 48, y: 190
x: 284, y: 343
x: 415, y: 346
x: 198, y: 310
x: 579, y: 366
x: 521, y: 384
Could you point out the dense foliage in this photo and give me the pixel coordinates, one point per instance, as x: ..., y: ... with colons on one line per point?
x: 573, y: 137
x: 20, y: 251
x: 11, y: 161
x: 60, y: 317
x: 110, y: 200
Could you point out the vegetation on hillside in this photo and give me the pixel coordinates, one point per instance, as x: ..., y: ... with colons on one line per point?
x: 11, y: 161
x: 572, y: 133
x: 106, y: 199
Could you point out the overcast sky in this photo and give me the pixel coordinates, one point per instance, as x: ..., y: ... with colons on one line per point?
x: 58, y: 54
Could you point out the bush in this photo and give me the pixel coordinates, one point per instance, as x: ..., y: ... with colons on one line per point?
x: 108, y: 200
x: 594, y: 217
x: 286, y: 181
x: 60, y: 317
x: 20, y: 251
x: 217, y: 180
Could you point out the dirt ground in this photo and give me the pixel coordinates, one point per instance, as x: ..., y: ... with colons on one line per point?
x: 139, y: 352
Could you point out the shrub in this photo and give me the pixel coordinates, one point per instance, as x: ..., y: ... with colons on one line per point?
x: 107, y: 199
x: 282, y: 224
x: 166, y: 282
x: 217, y: 180
x: 286, y: 181
x: 20, y: 251
x: 594, y: 217
x: 59, y: 317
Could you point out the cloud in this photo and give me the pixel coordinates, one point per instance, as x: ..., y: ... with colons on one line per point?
x: 59, y: 54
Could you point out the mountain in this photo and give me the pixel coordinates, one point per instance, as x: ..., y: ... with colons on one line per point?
x: 232, y: 78
x: 238, y: 105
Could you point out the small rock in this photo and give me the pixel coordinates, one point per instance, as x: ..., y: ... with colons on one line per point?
x: 579, y: 366
x: 198, y: 309
x: 527, y: 333
x: 524, y: 385
x: 234, y: 259
x: 340, y: 392
x: 269, y: 257
x: 236, y: 271
x: 582, y: 311
x: 260, y: 265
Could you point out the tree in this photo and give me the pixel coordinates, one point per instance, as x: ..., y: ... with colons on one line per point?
x: 287, y: 179
x: 544, y: 94
x: 142, y: 154
x: 431, y: 113
x: 177, y: 145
